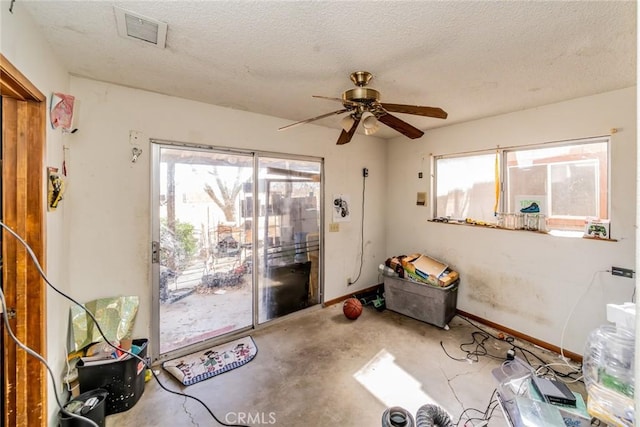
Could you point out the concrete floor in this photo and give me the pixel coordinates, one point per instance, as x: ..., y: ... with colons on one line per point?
x: 317, y: 368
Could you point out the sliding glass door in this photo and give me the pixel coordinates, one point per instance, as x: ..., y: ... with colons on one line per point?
x: 229, y: 254
x: 205, y: 287
x: 290, y: 236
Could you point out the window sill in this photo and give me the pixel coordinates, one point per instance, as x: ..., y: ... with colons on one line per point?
x: 600, y: 238
x: 556, y: 233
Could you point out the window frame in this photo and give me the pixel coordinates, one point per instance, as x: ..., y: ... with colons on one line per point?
x: 503, y: 154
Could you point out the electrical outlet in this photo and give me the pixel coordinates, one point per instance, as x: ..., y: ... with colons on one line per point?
x: 365, y: 172
x: 623, y: 272
x: 348, y: 281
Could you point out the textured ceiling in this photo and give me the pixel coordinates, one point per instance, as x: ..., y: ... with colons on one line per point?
x: 473, y: 59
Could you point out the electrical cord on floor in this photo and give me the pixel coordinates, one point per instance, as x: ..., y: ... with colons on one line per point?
x: 364, y: 180
x: 34, y: 258
x: 550, y: 371
x: 478, y: 338
x: 524, y: 352
x: 485, y: 415
x: 540, y: 370
x: 42, y: 360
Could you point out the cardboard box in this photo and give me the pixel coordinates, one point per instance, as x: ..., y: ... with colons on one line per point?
x: 431, y: 304
x: 445, y: 280
x: 448, y: 277
x: 427, y: 270
x: 427, y: 266
x: 408, y: 259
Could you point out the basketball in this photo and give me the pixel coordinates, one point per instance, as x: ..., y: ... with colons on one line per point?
x: 352, y: 308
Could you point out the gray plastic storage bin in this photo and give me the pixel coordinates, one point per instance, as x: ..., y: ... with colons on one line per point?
x: 431, y: 304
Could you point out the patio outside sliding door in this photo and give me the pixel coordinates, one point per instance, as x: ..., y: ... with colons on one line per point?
x: 205, y: 287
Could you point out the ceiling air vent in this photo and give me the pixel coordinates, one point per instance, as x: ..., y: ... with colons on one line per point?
x: 132, y: 25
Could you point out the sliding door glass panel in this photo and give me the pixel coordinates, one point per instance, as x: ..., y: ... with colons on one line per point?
x: 289, y: 236
x: 205, y: 285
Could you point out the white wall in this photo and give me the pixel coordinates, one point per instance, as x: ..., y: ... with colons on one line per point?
x: 23, y: 46
x: 526, y: 281
x: 108, y: 196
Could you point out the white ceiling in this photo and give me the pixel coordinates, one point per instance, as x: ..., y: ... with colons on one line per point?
x: 473, y: 59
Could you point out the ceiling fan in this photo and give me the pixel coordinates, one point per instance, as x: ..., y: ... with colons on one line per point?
x: 363, y: 105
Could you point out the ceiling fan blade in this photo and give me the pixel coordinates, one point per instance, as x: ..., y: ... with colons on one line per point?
x: 344, y: 110
x: 344, y: 101
x: 401, y: 126
x: 346, y: 136
x: 438, y: 113
x: 330, y: 98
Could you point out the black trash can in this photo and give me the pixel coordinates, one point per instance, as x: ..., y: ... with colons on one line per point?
x: 123, y: 379
x: 95, y: 412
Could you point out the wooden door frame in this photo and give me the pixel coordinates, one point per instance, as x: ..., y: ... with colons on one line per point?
x: 23, y: 209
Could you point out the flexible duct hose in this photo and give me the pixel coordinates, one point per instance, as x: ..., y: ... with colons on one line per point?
x: 431, y: 416
x: 397, y: 417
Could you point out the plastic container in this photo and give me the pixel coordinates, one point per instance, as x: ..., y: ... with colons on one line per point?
x: 124, y: 380
x: 387, y: 271
x: 609, y: 359
x: 96, y: 413
x: 542, y: 223
x: 608, y: 368
x: 432, y: 304
x: 510, y: 221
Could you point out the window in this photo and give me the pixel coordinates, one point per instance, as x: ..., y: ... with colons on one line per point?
x: 571, y: 180
x: 465, y: 187
x: 568, y: 181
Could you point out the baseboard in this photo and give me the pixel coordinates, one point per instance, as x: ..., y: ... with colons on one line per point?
x: 571, y: 355
x: 345, y: 297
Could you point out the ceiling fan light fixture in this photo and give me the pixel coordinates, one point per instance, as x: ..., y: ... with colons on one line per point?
x: 347, y: 122
x: 370, y: 123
